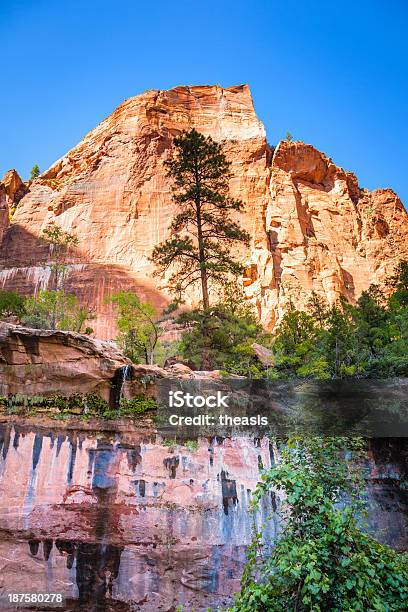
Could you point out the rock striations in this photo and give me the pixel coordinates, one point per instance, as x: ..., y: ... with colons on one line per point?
x: 311, y: 226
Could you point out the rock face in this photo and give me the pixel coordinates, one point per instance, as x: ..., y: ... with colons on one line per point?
x: 325, y: 233
x: 4, y: 212
x: 14, y: 187
x: 42, y: 362
x: 123, y: 520
x: 120, y: 521
x: 311, y: 225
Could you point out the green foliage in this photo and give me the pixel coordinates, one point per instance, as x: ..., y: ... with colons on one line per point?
x: 59, y: 242
x: 399, y: 283
x: 169, y: 443
x: 77, y: 405
x: 191, y: 445
x: 59, y: 238
x: 140, y: 404
x: 288, y: 137
x: 172, y: 444
x: 368, y: 339
x: 55, y: 309
x: 318, y: 308
x: 322, y: 560
x: 224, y: 333
x: 139, y: 329
x: 11, y: 304
x: 35, y: 171
x: 128, y: 408
x: 165, y: 350
x: 203, y: 236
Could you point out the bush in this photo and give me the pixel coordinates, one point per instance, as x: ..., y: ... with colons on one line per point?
x: 322, y: 560
x: 11, y: 304
x: 55, y: 309
x: 140, y: 404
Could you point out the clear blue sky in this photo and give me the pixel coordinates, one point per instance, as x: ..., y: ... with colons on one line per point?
x: 334, y: 74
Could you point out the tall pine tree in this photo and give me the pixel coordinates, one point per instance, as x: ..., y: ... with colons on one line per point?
x: 203, y: 235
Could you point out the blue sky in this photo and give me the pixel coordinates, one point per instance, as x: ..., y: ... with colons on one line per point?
x: 334, y: 74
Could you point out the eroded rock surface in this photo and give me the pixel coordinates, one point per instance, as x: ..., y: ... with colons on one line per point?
x: 14, y: 188
x: 122, y: 518
x: 311, y: 226
x: 46, y: 362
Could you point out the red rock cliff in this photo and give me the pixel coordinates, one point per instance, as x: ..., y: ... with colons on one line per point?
x: 311, y: 225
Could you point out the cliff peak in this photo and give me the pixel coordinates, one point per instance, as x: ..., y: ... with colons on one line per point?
x: 311, y: 226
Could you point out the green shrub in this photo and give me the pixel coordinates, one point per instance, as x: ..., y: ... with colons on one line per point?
x: 137, y: 405
x: 11, y: 304
x: 322, y: 560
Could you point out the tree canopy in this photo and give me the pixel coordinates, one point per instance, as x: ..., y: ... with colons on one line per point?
x: 369, y: 338
x: 203, y: 235
x: 139, y: 330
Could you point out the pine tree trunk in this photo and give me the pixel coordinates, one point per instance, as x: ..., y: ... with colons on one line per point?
x: 203, y: 270
x: 205, y: 360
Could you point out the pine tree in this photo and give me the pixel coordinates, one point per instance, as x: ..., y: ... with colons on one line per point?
x: 202, y: 233
x: 318, y: 308
x: 35, y: 171
x: 399, y: 283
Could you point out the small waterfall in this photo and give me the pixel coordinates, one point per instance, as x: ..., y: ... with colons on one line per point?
x: 118, y: 383
x: 124, y: 376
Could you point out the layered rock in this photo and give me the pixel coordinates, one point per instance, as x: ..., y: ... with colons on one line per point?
x: 14, y: 188
x: 124, y: 520
x: 4, y: 212
x: 325, y: 234
x: 45, y: 362
x: 311, y: 225
x: 118, y: 520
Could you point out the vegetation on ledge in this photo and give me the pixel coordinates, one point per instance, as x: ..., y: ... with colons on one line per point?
x: 82, y: 406
x: 369, y: 339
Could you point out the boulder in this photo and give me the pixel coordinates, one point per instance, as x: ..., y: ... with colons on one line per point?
x: 264, y: 355
x: 47, y: 362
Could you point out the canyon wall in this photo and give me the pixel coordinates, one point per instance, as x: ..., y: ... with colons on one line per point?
x: 46, y: 362
x: 311, y: 226
x: 122, y: 521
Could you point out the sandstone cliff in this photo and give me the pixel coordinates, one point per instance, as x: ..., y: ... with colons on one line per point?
x: 121, y: 520
x: 311, y: 225
x: 4, y: 212
x: 51, y: 362
x: 44, y: 362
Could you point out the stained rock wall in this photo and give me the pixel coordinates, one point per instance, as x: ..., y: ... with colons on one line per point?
x: 311, y: 226
x: 123, y: 518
